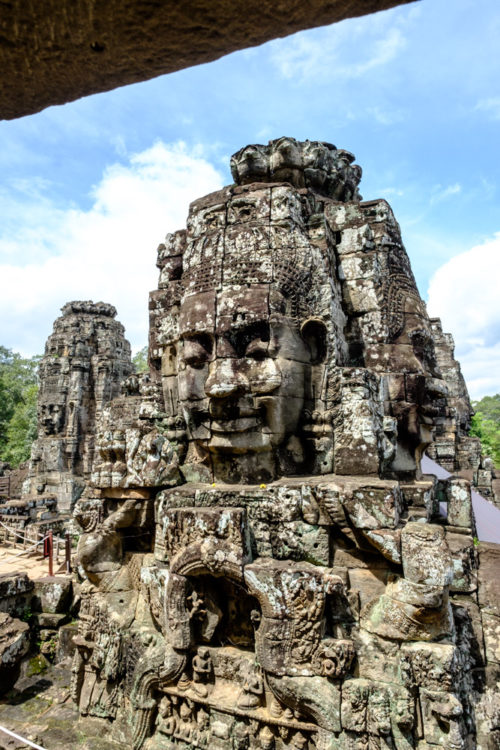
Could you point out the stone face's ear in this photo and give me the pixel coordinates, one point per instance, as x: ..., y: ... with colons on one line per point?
x: 313, y: 333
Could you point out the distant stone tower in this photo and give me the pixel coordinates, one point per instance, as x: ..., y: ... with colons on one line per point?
x: 453, y: 448
x: 86, y: 359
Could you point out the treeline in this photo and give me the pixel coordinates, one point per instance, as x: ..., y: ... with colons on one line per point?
x: 18, y: 400
x: 486, y: 425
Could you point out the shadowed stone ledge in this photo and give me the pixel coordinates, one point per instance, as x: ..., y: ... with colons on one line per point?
x: 55, y: 51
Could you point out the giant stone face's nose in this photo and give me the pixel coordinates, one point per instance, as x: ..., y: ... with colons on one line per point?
x: 225, y: 379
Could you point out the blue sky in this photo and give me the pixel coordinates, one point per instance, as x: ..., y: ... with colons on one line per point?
x: 89, y: 189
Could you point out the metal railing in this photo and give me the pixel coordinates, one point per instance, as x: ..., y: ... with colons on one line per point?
x: 50, y: 544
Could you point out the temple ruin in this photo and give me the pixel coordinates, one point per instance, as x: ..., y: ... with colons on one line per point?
x: 86, y: 359
x: 264, y: 564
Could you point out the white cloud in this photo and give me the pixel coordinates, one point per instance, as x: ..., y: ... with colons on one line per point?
x: 440, y: 193
x: 106, y: 253
x: 341, y: 51
x: 464, y: 294
x: 389, y: 192
x: 491, y: 106
x: 386, y: 115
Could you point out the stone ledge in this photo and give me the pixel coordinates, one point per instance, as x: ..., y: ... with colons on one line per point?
x: 55, y: 51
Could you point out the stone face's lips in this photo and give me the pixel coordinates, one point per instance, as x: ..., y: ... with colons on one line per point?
x: 242, y: 424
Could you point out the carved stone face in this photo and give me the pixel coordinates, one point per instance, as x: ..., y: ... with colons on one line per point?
x: 250, y: 164
x: 424, y: 387
x: 52, y: 418
x: 286, y: 161
x: 242, y: 371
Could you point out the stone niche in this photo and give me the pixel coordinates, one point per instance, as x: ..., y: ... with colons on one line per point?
x: 86, y: 359
x: 263, y: 563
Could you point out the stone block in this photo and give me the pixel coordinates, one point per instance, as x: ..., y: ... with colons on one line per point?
x: 378, y: 658
x: 409, y: 612
x: 16, y: 591
x: 464, y: 559
x: 14, y: 584
x: 491, y: 630
x: 433, y: 665
x: 65, y: 646
x: 14, y: 644
x: 458, y: 496
x: 210, y: 539
x: 372, y: 507
x: 489, y: 577
x: 54, y: 594
x: 369, y: 584
x: 425, y: 553
x: 50, y: 620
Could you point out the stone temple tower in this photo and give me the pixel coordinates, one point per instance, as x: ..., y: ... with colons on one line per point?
x: 86, y: 359
x: 265, y: 564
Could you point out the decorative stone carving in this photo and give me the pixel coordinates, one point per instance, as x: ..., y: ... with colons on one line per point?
x: 265, y: 565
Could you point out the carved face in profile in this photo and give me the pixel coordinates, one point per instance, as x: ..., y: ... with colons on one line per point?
x: 243, y: 372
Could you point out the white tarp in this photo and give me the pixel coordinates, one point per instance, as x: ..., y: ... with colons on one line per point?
x: 486, y: 515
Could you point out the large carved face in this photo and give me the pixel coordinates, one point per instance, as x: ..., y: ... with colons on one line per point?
x: 52, y: 418
x: 242, y: 370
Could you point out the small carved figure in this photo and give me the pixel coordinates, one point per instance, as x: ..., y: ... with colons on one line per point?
x: 252, y: 691
x: 266, y: 739
x: 240, y: 736
x: 196, y: 606
x: 299, y: 741
x: 202, y: 669
x: 185, y: 726
x: 183, y: 682
x: 201, y: 735
x: 166, y: 721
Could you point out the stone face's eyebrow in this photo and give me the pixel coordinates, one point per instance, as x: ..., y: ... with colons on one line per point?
x: 199, y: 338
x: 240, y: 335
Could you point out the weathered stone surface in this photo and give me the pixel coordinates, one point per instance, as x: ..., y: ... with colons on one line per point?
x: 14, y: 644
x: 263, y: 564
x: 50, y: 620
x: 14, y: 584
x: 66, y: 52
x: 488, y: 577
x: 54, y: 594
x: 16, y: 591
x: 425, y: 553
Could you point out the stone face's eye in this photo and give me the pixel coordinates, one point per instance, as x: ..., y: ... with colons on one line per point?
x: 257, y: 349
x: 251, y: 340
x: 197, y: 351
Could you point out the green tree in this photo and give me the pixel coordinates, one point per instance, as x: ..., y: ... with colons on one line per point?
x: 18, y: 398
x: 486, y: 425
x: 21, y: 431
x: 140, y: 360
x: 489, y: 407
